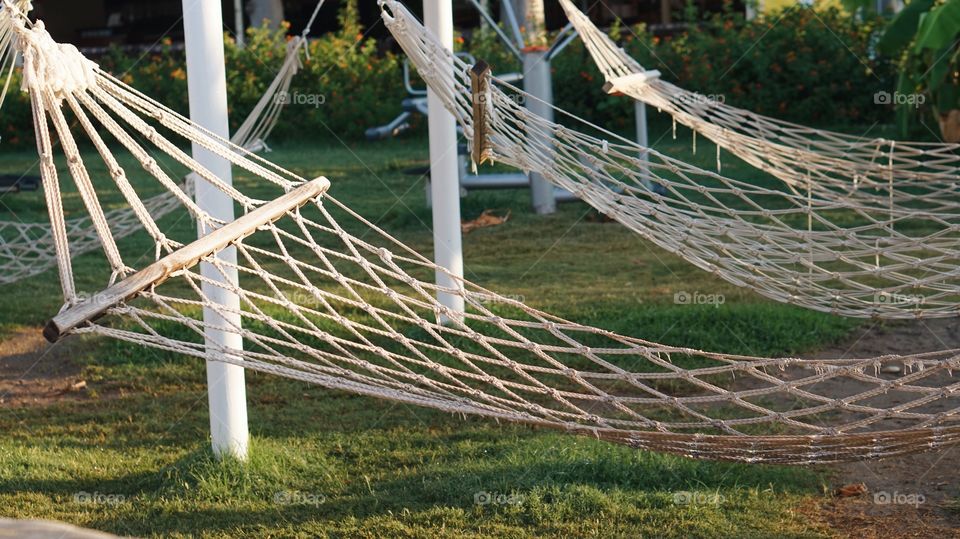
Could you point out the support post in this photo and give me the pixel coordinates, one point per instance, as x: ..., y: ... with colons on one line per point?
x: 444, y: 170
x: 537, y: 82
x: 640, y: 116
x: 238, y: 23
x: 207, y: 86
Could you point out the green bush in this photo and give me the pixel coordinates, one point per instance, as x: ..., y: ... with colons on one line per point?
x: 816, y: 68
x: 813, y: 67
x: 351, y: 86
x: 16, y: 120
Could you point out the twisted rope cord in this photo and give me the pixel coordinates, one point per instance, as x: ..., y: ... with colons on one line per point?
x: 357, y: 311
x: 871, y: 171
x: 28, y: 249
x: 822, y: 253
x: 8, y: 55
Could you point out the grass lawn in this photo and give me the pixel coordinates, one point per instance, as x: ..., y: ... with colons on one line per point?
x: 132, y: 457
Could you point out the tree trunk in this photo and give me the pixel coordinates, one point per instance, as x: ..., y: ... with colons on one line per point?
x: 265, y: 10
x: 665, y: 7
x: 535, y: 23
x: 950, y: 126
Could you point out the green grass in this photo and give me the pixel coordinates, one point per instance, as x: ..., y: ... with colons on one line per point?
x: 360, y: 467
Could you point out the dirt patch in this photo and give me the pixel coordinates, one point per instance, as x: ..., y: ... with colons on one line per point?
x: 36, y: 373
x: 912, y: 496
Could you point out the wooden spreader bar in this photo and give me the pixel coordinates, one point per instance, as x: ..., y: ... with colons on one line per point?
x: 92, y: 308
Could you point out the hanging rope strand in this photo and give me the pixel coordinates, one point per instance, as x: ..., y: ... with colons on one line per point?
x: 925, y: 173
x: 327, y: 297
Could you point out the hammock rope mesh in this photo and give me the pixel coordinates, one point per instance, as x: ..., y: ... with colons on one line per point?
x: 826, y: 254
x: 327, y: 297
x: 27, y: 249
x: 872, y: 171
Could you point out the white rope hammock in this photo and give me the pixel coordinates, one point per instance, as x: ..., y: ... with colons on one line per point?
x: 872, y: 171
x: 27, y: 249
x: 837, y: 256
x: 327, y: 297
x: 8, y: 56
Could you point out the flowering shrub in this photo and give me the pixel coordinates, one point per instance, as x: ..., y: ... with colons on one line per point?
x: 345, y: 84
x: 817, y: 68
x: 16, y: 121
x: 813, y: 67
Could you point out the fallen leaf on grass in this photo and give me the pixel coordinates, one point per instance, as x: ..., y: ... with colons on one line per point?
x: 851, y: 490
x: 76, y: 386
x: 598, y: 217
x: 487, y: 218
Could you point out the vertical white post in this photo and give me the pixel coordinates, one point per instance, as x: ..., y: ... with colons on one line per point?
x: 538, y: 82
x: 207, y: 86
x: 238, y: 23
x: 444, y: 172
x: 640, y: 116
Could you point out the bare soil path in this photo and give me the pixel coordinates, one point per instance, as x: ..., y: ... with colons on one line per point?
x: 35, y: 373
x: 912, y: 496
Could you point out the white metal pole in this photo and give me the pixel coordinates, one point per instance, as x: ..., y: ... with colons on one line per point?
x: 207, y: 86
x: 238, y: 23
x: 643, y: 139
x: 444, y: 173
x: 537, y: 81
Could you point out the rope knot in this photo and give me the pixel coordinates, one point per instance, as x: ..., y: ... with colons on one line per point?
x: 58, y: 67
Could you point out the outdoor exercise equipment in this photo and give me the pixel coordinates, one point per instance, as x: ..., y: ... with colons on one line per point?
x: 327, y: 297
x: 416, y: 104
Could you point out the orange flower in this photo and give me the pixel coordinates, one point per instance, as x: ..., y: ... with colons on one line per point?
x: 179, y: 74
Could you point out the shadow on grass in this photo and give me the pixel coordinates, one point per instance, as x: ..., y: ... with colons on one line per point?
x: 538, y: 477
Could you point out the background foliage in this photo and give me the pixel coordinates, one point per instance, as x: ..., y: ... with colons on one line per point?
x: 814, y: 67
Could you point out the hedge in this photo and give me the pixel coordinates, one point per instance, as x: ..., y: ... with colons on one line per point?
x: 814, y: 67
